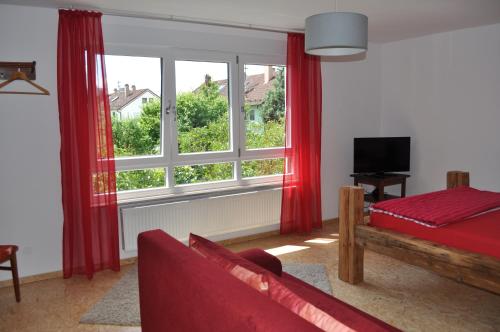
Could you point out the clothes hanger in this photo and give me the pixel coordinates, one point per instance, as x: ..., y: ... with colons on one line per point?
x: 19, y: 75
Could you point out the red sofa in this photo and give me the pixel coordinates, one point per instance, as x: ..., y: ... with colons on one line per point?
x: 180, y: 290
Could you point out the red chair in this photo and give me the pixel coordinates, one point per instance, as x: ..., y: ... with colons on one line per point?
x: 8, y: 252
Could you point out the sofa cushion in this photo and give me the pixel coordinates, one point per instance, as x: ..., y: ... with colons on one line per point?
x: 263, y: 259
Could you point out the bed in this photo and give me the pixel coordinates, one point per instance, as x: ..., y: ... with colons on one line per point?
x: 467, y: 251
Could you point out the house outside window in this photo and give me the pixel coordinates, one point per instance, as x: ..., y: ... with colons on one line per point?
x: 128, y: 102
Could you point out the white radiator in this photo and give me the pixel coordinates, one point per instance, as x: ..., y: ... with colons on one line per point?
x: 218, y: 217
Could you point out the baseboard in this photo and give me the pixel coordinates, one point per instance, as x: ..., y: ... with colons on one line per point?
x: 247, y: 238
x: 53, y: 275
x: 132, y: 260
x: 33, y: 278
x: 262, y: 235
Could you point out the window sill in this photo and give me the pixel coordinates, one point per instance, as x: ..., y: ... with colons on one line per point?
x: 199, y: 194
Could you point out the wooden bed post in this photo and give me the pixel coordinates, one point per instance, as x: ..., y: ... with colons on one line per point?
x: 456, y: 179
x: 351, y: 201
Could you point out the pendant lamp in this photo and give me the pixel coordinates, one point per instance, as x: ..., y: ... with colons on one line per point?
x: 336, y: 34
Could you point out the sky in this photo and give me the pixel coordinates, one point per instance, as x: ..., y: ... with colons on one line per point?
x: 145, y: 72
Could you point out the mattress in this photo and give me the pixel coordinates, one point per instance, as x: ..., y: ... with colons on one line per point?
x: 479, y: 234
x: 440, y: 208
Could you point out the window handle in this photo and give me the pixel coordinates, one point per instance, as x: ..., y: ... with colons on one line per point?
x: 242, y: 110
x: 168, y: 107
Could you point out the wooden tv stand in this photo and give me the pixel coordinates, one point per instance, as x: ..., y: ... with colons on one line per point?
x: 380, y: 181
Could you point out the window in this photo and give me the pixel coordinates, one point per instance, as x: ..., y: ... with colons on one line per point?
x: 136, y: 125
x: 265, y: 167
x: 202, y: 100
x: 140, y: 179
x: 264, y: 104
x: 203, y: 173
x: 214, y: 120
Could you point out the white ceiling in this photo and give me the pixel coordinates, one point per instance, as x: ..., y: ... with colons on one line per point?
x: 389, y: 20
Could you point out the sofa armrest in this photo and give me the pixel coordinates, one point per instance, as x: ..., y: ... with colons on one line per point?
x: 263, y: 259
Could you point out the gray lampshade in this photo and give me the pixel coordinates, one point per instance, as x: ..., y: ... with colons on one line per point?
x: 336, y: 33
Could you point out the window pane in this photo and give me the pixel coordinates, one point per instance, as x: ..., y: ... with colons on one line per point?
x: 203, y: 173
x: 202, y: 103
x: 140, y: 179
x: 134, y: 86
x: 264, y: 167
x: 264, y: 106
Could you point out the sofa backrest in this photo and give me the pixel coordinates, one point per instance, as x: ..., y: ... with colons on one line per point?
x: 181, y: 291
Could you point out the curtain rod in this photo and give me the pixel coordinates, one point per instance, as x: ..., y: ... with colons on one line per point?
x: 182, y: 19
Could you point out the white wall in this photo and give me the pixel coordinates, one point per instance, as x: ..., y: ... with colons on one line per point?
x: 144, y: 33
x: 443, y: 90
x: 30, y: 191
x: 351, y: 108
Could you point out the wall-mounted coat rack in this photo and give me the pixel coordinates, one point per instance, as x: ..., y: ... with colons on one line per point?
x: 20, y: 71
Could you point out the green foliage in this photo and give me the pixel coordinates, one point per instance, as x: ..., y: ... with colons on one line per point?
x: 273, y: 106
x: 252, y: 168
x: 203, y: 173
x: 138, y: 136
x: 199, y: 108
x: 150, y: 124
x: 213, y: 137
x: 140, y: 179
x: 265, y: 135
x: 127, y: 136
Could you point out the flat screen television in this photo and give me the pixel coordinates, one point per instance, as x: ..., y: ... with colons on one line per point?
x: 381, y: 154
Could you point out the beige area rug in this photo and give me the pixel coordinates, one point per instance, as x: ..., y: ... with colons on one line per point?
x: 120, y: 306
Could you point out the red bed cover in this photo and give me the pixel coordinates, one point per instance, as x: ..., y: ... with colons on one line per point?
x: 480, y: 234
x: 440, y: 208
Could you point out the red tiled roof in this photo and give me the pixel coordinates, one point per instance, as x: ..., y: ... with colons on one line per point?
x: 255, y: 88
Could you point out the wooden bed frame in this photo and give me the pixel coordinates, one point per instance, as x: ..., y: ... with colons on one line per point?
x: 354, y: 236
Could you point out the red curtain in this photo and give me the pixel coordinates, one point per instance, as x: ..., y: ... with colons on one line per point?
x: 90, y: 230
x: 301, y: 202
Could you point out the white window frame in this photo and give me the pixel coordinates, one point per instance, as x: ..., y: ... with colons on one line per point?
x: 169, y: 157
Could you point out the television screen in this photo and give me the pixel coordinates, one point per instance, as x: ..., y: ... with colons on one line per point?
x: 381, y: 154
